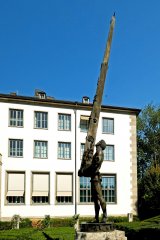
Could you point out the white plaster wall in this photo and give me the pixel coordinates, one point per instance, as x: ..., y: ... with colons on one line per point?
x: 28, y: 164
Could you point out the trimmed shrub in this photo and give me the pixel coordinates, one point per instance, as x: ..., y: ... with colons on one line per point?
x: 5, y: 225
x: 25, y: 223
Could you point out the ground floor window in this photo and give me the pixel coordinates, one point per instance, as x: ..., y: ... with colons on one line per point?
x: 64, y: 188
x: 15, y: 188
x: 85, y: 190
x: 15, y: 199
x: 38, y: 199
x: 108, y: 189
x: 40, y: 188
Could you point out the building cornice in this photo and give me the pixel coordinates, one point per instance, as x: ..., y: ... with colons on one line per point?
x: 49, y: 102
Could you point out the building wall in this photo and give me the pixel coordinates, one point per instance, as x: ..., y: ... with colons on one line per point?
x: 124, y: 165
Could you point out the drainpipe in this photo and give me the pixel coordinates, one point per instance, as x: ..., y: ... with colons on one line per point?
x: 0, y: 182
x: 75, y: 190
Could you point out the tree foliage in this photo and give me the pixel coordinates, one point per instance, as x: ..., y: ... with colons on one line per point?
x: 148, y: 140
x: 148, y: 134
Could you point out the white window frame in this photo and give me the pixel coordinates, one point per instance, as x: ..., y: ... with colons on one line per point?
x: 109, y: 153
x: 64, y: 150
x: 107, y: 192
x: 17, y: 150
x: 64, y: 122
x: 84, y: 123
x: 82, y: 146
x: 40, y: 120
x: 40, y: 191
x: 85, y: 189
x: 108, y: 125
x: 15, y: 192
x: 40, y: 149
x: 64, y: 188
x: 15, y: 117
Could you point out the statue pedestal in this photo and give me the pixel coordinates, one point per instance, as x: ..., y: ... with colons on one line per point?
x: 99, y: 231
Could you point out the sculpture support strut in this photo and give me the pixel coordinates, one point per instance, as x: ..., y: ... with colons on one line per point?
x: 94, y: 117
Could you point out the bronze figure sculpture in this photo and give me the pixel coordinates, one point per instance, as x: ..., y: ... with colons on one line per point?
x: 91, y: 164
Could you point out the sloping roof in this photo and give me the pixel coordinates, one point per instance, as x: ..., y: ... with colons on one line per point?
x: 63, y: 103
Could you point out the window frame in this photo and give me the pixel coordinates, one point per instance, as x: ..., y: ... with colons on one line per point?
x: 16, y: 119
x: 82, y: 150
x: 107, y: 153
x: 21, y: 198
x: 115, y: 188
x: 40, y: 151
x: 63, y: 153
x: 84, y: 123
x: 41, y: 120
x: 88, y: 189
x: 64, y: 126
x: 65, y: 197
x: 16, y: 142
x: 40, y: 197
x: 108, y: 131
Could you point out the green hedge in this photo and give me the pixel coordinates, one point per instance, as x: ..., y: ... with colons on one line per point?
x: 140, y: 230
x: 5, y: 225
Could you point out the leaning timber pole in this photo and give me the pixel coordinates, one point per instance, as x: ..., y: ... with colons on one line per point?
x: 94, y: 117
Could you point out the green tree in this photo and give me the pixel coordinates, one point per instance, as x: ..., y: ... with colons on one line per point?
x: 148, y: 140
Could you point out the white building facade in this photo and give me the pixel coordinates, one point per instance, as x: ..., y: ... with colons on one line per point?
x: 41, y: 145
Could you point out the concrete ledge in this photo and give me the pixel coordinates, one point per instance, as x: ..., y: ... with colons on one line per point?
x: 96, y: 227
x: 112, y: 235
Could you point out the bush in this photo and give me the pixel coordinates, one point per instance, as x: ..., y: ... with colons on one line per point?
x: 61, y: 222
x: 25, y: 223
x: 5, y: 225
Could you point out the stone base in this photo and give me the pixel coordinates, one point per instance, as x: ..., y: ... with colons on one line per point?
x: 96, y: 227
x: 112, y: 235
x: 99, y: 231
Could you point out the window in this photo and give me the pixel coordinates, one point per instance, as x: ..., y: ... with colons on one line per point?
x: 41, y: 120
x: 64, y: 193
x: 85, y: 190
x: 64, y: 150
x: 40, y: 188
x: 82, y: 150
x: 64, y: 122
x: 15, y: 118
x: 109, y: 153
x: 109, y: 188
x: 40, y: 149
x: 108, y: 125
x: 15, y: 188
x: 15, y: 148
x: 84, y: 123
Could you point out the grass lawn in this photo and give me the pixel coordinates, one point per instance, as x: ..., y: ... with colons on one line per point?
x: 60, y: 233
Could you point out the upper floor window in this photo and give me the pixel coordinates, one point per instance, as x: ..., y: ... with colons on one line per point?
x: 82, y: 150
x: 108, y: 125
x: 84, y: 123
x: 109, y: 153
x: 15, y: 188
x: 64, y: 150
x: 41, y: 120
x: 64, y: 122
x: 64, y: 193
x: 15, y: 147
x: 40, y: 149
x: 15, y: 118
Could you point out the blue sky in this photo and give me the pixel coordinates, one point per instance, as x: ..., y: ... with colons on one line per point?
x: 58, y: 45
